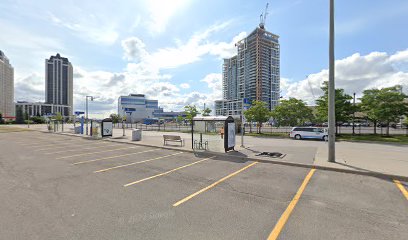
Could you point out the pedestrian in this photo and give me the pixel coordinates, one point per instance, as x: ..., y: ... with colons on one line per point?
x: 222, y: 132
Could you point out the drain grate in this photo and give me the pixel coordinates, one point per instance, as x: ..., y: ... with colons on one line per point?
x: 271, y: 154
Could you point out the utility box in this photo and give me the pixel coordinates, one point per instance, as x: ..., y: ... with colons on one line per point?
x: 136, y: 134
x: 78, y: 130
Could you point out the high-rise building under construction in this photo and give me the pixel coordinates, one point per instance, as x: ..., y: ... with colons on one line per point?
x: 253, y: 74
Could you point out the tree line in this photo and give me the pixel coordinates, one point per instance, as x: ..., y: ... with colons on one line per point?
x: 381, y: 106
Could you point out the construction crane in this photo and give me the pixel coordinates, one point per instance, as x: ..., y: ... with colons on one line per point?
x: 262, y: 17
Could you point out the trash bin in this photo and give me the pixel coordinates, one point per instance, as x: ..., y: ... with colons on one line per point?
x: 78, y: 130
x: 136, y: 134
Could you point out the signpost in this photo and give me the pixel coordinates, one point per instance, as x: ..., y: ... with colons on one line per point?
x: 245, y: 106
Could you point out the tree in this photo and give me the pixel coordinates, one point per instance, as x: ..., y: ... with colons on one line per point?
x: 191, y: 112
x: 180, y: 119
x: 343, y: 106
x: 368, y: 105
x: 385, y: 105
x: 38, y: 119
x: 19, y: 115
x: 58, y: 117
x: 115, y: 118
x: 406, y: 125
x: 258, y: 112
x: 206, y: 112
x: 249, y: 118
x: 292, y: 112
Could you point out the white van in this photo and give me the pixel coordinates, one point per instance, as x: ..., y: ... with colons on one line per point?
x: 309, y: 133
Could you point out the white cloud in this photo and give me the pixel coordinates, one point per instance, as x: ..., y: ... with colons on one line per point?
x: 160, y: 13
x: 354, y: 74
x: 89, y: 27
x: 227, y: 50
x: 214, y: 81
x: 185, y: 85
x: 184, y: 53
x: 134, y: 49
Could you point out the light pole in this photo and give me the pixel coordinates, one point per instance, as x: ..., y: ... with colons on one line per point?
x: 331, y: 93
x: 242, y: 123
x: 92, y: 98
x: 354, y: 110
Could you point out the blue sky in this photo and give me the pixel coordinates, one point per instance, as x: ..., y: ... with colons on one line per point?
x: 173, y: 50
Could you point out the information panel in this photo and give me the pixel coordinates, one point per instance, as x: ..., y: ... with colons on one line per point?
x: 231, y: 135
x: 106, y: 129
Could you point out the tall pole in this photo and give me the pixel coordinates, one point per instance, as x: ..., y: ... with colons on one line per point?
x: 86, y: 115
x: 354, y: 110
x: 331, y: 93
x: 242, y: 123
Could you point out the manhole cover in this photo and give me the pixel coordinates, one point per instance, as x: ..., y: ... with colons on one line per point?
x: 270, y: 154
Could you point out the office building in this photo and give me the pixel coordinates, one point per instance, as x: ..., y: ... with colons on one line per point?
x: 136, y: 108
x: 253, y: 74
x: 59, y: 83
x: 42, y: 109
x: 6, y: 87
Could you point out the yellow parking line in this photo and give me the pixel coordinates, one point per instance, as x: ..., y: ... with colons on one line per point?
x: 213, y: 185
x: 100, y: 159
x: 82, y: 154
x: 401, y: 188
x: 165, y: 173
x: 286, y: 214
x: 66, y: 145
x: 79, y: 149
x: 130, y: 164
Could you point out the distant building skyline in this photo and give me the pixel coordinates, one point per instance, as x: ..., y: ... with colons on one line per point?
x: 252, y: 74
x: 59, y: 82
x: 137, y: 107
x: 6, y: 87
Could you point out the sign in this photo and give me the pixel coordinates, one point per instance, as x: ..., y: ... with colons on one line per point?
x: 79, y: 112
x: 107, y: 127
x: 231, y: 135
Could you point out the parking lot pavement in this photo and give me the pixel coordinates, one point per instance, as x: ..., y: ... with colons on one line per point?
x: 105, y: 190
x: 346, y: 206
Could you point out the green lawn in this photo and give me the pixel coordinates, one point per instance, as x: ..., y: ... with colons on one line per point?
x: 402, y: 139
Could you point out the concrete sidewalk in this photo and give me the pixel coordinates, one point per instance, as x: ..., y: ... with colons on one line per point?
x: 364, y: 158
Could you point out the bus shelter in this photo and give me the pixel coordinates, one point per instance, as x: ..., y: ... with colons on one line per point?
x: 215, y: 133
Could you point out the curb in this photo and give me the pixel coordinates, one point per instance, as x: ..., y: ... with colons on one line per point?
x: 303, y: 165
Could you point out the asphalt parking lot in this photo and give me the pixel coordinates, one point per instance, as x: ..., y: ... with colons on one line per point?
x: 61, y: 187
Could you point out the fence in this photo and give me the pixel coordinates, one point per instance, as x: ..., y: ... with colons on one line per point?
x: 172, y: 127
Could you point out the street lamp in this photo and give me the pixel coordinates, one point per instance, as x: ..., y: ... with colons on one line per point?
x: 92, y: 98
x: 331, y: 95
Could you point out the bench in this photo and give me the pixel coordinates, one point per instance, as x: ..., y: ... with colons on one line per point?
x: 173, y: 138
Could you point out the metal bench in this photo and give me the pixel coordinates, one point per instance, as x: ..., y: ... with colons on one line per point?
x: 173, y: 138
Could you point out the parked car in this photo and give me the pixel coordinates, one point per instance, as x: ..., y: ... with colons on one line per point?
x: 309, y: 133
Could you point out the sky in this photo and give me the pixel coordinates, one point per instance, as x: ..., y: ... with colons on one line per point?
x: 173, y: 50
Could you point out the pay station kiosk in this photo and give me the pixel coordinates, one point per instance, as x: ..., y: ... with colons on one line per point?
x: 106, y: 126
x: 215, y: 133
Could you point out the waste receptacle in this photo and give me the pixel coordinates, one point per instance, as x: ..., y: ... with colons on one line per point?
x: 136, y: 134
x: 78, y: 130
